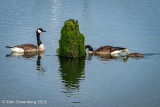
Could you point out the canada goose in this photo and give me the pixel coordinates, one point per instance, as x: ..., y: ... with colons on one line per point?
x: 29, y: 47
x: 105, y: 50
x: 133, y: 54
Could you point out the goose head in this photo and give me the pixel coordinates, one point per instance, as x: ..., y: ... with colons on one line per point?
x: 40, y: 30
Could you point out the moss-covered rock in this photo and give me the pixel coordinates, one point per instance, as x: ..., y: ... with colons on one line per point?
x: 71, y: 43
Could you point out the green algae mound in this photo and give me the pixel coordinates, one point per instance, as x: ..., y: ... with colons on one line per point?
x: 71, y: 43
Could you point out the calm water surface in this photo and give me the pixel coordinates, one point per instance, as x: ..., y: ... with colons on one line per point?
x: 93, y: 81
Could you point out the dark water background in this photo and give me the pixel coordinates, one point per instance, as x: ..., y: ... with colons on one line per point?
x: 94, y: 81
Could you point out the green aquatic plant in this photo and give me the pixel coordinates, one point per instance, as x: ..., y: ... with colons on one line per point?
x: 71, y: 43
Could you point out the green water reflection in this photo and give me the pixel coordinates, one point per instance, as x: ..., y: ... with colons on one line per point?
x: 72, y: 73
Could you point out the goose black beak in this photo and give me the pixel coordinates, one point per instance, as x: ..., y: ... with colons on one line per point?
x: 43, y: 31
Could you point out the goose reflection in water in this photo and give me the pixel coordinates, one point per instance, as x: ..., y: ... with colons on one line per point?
x: 109, y: 57
x: 27, y: 55
x: 106, y: 57
x: 117, y: 57
x: 72, y: 73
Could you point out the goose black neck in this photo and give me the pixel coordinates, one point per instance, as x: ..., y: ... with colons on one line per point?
x: 89, y: 47
x: 38, y: 39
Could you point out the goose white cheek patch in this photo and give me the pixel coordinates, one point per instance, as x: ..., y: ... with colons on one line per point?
x: 39, y: 31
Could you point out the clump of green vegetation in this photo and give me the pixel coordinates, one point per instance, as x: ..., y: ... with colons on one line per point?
x: 71, y: 43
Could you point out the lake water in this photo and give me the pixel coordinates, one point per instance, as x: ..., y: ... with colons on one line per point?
x: 45, y: 80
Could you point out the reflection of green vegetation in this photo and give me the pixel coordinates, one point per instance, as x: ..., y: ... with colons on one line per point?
x: 72, y: 71
x: 71, y: 43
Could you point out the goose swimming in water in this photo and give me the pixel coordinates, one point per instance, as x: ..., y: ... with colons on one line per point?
x: 133, y: 54
x: 105, y: 50
x: 29, y: 47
